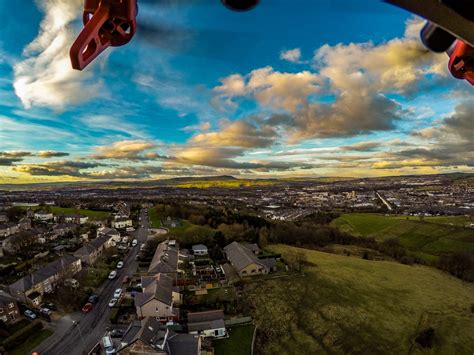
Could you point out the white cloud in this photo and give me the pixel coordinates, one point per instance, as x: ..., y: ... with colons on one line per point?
x: 45, y: 77
x: 292, y: 55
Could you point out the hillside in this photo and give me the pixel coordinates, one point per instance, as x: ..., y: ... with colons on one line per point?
x: 350, y: 305
x: 427, y: 238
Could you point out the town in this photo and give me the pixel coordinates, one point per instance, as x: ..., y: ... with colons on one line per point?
x: 171, y: 270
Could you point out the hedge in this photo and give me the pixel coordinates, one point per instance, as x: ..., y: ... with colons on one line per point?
x: 22, y: 335
x: 114, y: 315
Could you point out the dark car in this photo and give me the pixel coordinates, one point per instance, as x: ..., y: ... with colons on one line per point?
x: 116, y: 333
x: 49, y: 305
x: 93, y: 299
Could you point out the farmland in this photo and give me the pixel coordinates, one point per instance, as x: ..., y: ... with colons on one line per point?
x: 427, y: 238
x: 349, y: 305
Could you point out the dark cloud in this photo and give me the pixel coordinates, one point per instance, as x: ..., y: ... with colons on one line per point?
x: 52, y: 154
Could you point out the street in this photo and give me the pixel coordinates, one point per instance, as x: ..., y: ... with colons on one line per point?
x: 79, y: 339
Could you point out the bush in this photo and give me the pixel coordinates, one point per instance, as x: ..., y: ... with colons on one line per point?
x: 114, y: 315
x: 426, y: 338
x: 407, y: 260
x: 22, y: 335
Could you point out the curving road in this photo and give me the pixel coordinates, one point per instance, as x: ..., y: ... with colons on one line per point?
x: 80, y: 339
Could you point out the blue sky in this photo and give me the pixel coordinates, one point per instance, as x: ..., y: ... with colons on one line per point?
x: 300, y: 88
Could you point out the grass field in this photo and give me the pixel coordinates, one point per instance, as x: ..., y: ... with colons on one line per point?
x: 226, y: 184
x: 425, y: 238
x: 88, y: 213
x: 238, y: 343
x: 350, y: 305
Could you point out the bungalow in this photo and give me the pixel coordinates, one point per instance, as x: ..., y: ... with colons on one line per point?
x: 150, y: 337
x: 90, y: 252
x: 208, y: 324
x: 122, y: 222
x: 43, y: 216
x: 32, y: 287
x: 244, y: 261
x: 71, y: 218
x: 165, y: 260
x: 9, y: 312
x: 199, y: 250
x: 158, y: 298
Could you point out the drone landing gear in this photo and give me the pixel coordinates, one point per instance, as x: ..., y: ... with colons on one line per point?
x: 107, y: 23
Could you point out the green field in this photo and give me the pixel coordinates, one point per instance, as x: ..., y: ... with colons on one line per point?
x: 225, y: 184
x: 239, y: 341
x: 87, y: 213
x: 425, y: 238
x: 350, y: 305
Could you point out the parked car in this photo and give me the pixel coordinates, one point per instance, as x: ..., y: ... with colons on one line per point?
x: 116, y: 333
x: 87, y: 307
x: 118, y: 293
x: 112, y: 275
x: 120, y: 265
x: 30, y: 314
x: 93, y: 299
x: 49, y: 305
x: 46, y: 311
x: 113, y: 302
x: 134, y: 243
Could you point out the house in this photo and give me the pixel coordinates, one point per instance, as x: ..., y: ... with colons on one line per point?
x: 254, y: 248
x: 90, y: 252
x: 244, y: 261
x: 32, y: 287
x: 43, y: 216
x: 9, y: 312
x: 71, y: 218
x: 150, y: 337
x: 208, y: 324
x: 165, y: 260
x: 109, y: 232
x: 158, y: 298
x: 62, y: 229
x: 7, y: 229
x: 199, y: 250
x: 13, y: 243
x: 121, y: 222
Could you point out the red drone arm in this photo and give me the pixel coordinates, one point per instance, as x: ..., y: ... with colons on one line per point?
x: 106, y: 23
x: 461, y: 62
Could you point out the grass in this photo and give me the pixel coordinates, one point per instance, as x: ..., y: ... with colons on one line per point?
x: 155, y: 219
x: 32, y: 342
x: 350, y: 305
x: 239, y: 341
x: 87, y: 213
x: 426, y: 238
x: 226, y: 184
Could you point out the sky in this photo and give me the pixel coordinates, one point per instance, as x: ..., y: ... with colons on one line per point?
x: 291, y: 89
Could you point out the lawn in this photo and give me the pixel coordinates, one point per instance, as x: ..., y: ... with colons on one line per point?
x: 87, y: 213
x: 350, y: 305
x: 426, y: 238
x: 32, y: 342
x: 239, y: 341
x: 155, y: 220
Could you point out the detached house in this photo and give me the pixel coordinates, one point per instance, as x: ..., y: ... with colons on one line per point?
x: 32, y: 287
x: 158, y: 298
x: 244, y: 261
x: 209, y: 324
x: 92, y: 251
x: 150, y: 337
x: 121, y: 222
x: 109, y: 232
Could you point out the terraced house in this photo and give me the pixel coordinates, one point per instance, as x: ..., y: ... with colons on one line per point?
x: 32, y: 287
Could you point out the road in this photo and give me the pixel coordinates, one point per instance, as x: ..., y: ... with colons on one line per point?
x: 80, y: 339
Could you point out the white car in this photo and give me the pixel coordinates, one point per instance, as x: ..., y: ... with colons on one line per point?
x: 134, y: 243
x: 118, y: 293
x: 30, y: 314
x: 112, y: 275
x: 120, y: 265
x: 113, y: 302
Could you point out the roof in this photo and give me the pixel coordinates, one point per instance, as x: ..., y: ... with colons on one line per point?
x: 199, y: 321
x: 159, y: 287
x: 92, y: 246
x: 240, y: 257
x: 270, y: 263
x: 44, y: 273
x: 183, y: 344
x: 108, y: 231
x: 6, y: 298
x: 199, y: 247
x: 43, y: 213
x: 253, y: 247
x: 230, y: 273
x: 165, y: 259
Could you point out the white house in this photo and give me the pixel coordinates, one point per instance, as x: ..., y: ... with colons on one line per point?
x: 199, y: 250
x: 43, y: 216
x: 122, y: 222
x: 109, y: 232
